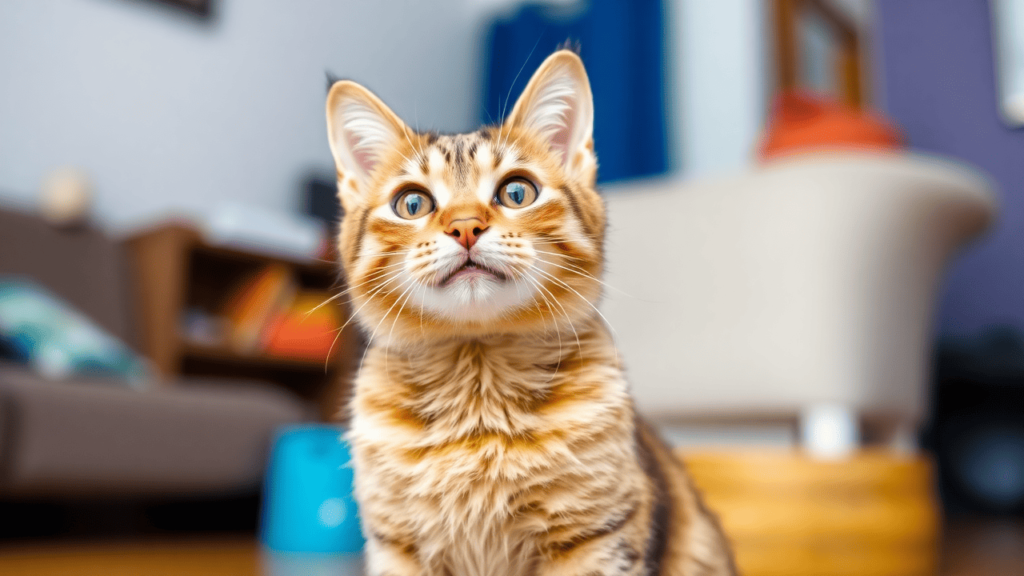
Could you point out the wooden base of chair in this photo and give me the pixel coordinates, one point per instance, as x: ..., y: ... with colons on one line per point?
x: 871, y: 514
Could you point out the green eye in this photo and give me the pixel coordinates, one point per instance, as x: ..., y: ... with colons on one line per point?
x: 413, y: 204
x: 516, y: 193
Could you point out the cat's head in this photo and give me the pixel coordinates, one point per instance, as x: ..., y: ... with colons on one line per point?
x: 499, y: 230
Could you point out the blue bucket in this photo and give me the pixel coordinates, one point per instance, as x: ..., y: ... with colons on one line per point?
x: 308, y: 505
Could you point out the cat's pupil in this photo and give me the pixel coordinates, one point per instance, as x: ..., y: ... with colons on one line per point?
x: 517, y: 192
x: 413, y: 203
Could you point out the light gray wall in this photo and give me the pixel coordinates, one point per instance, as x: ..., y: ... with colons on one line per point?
x: 168, y: 114
x: 719, y: 80
x: 172, y: 115
x: 722, y: 79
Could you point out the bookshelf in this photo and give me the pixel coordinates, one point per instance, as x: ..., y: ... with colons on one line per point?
x: 177, y: 273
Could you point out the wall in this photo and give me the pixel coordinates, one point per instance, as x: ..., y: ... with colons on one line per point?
x: 171, y: 114
x: 722, y: 79
x: 717, y: 51
x: 937, y: 79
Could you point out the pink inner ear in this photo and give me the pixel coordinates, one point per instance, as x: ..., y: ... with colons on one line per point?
x: 362, y: 155
x: 560, y: 138
x: 559, y: 142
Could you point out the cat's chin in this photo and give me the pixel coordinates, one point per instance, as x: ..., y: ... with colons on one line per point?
x: 472, y: 277
x: 474, y: 295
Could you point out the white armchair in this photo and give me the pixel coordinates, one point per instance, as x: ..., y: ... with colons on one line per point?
x: 807, y: 283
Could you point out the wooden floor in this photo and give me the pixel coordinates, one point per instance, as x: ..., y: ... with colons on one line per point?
x: 981, y: 548
x: 970, y: 549
x: 184, y: 558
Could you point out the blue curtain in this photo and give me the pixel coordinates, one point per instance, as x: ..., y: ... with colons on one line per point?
x: 621, y: 43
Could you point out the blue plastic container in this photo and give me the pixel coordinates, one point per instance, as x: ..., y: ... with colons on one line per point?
x: 308, y: 506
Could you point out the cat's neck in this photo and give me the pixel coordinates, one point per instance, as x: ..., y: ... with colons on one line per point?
x: 496, y: 382
x: 586, y: 340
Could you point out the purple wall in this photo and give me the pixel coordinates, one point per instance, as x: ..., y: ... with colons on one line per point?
x: 936, y: 77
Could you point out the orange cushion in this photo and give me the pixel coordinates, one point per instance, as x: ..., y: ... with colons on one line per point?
x: 802, y: 122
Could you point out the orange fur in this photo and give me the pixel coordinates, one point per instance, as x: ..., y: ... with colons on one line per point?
x: 492, y: 428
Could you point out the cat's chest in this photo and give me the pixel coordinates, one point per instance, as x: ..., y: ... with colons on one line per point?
x: 498, y: 555
x: 472, y: 477
x: 476, y: 436
x: 445, y: 457
x: 460, y: 502
x: 471, y: 469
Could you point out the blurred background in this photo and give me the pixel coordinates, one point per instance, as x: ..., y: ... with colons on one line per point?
x: 830, y: 327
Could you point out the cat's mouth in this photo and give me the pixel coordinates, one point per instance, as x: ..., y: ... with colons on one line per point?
x: 471, y: 271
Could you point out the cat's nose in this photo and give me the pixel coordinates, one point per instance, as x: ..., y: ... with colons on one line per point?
x: 466, y: 231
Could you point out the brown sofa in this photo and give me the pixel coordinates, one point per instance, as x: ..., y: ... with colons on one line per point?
x: 93, y: 437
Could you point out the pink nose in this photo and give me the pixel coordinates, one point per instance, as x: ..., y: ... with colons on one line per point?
x: 466, y: 231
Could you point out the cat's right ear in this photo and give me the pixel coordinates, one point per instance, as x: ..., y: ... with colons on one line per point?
x: 361, y: 130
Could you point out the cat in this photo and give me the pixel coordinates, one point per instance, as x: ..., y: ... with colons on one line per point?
x: 491, y: 426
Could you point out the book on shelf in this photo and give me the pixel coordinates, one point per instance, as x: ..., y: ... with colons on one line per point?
x: 269, y: 314
x: 253, y: 302
x: 306, y: 329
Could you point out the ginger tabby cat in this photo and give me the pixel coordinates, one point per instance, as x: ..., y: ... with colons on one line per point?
x: 492, y: 428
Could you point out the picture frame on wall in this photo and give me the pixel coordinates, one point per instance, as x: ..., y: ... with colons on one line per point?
x: 818, y: 49
x: 200, y: 8
x: 1008, y: 40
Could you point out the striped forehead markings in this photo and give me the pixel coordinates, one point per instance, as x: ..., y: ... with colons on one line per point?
x: 455, y: 158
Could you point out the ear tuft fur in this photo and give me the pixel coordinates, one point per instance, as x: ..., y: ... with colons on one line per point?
x: 571, y: 45
x: 558, y: 106
x: 362, y: 130
x: 331, y: 79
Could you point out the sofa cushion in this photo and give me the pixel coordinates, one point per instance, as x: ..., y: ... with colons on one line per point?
x: 80, y: 265
x: 38, y: 329
x: 95, y: 438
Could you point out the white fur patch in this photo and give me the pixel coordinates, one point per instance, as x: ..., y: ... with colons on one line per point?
x: 366, y: 134
x: 478, y: 299
x: 552, y: 108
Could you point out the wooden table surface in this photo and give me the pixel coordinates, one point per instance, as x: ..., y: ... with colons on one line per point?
x: 971, y: 548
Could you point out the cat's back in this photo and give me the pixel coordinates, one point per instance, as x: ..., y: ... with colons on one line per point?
x: 691, y: 539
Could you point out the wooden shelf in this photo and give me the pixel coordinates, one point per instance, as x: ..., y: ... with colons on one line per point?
x: 229, y: 356
x: 238, y: 254
x: 176, y: 270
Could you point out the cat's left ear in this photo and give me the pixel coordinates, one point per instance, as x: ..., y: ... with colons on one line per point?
x: 557, y: 103
x: 361, y: 129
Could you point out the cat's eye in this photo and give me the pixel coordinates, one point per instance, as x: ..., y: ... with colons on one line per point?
x: 413, y: 204
x: 516, y: 192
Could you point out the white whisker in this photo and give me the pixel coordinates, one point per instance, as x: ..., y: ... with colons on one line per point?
x: 581, y: 272
x: 369, y: 298
x: 377, y: 327
x: 589, y: 303
x: 349, y: 289
x: 564, y: 312
x: 415, y: 284
x: 557, y: 331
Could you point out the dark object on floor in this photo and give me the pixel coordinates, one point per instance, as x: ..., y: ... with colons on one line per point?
x: 33, y: 520
x: 977, y: 428
x: 982, y: 547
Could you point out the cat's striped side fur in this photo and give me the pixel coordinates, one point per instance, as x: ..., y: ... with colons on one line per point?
x: 492, y: 429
